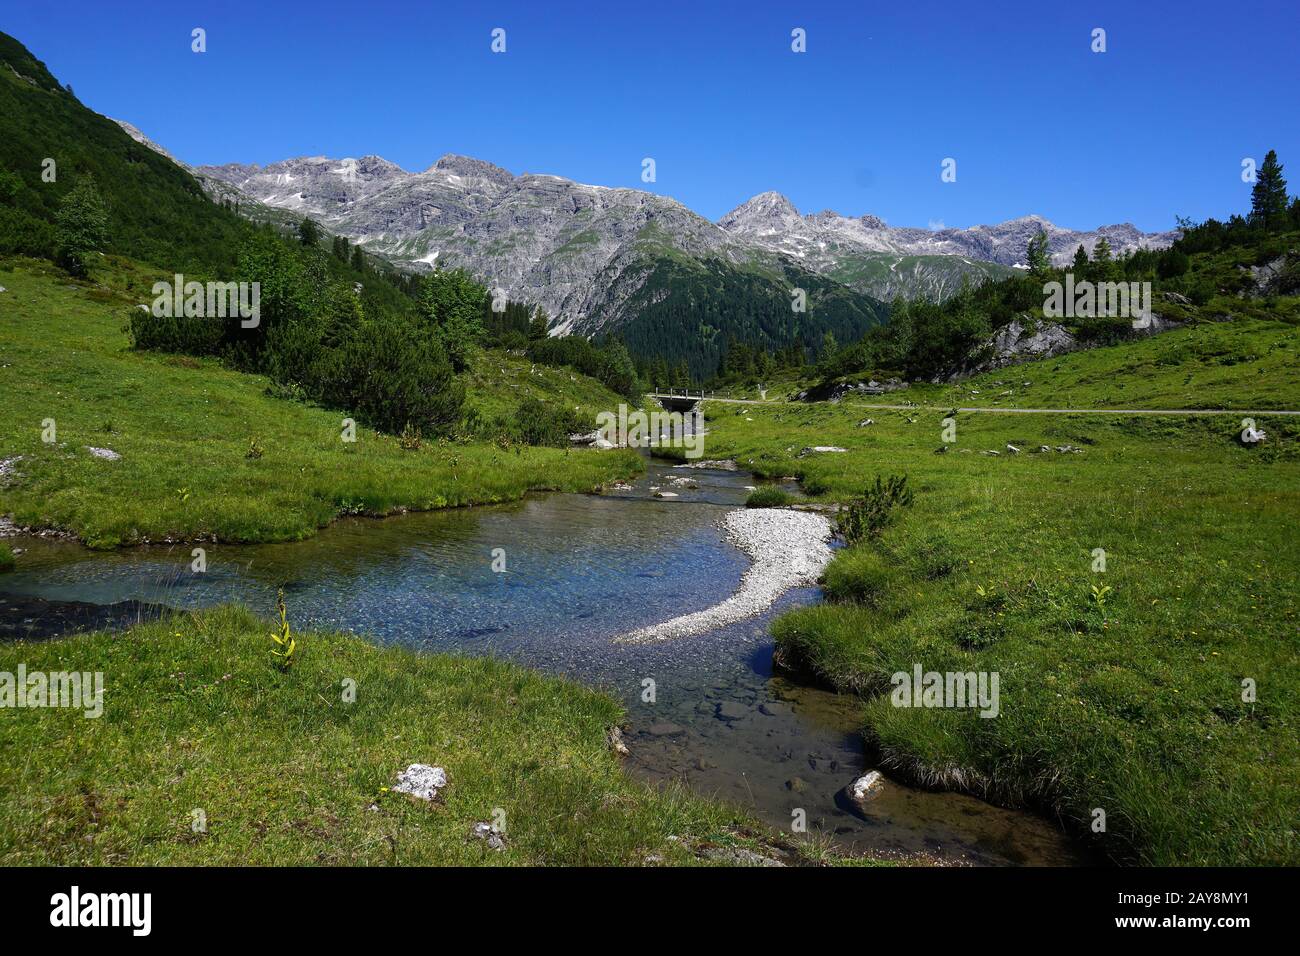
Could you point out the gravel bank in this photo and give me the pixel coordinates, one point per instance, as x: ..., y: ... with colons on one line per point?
x: 790, y: 549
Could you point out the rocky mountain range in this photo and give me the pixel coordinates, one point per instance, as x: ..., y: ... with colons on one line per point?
x: 599, y: 258
x: 867, y: 254
x: 561, y: 243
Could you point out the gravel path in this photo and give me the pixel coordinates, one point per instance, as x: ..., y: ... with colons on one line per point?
x: 789, y: 549
x: 1031, y: 411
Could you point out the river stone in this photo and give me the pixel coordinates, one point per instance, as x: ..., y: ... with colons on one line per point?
x: 665, y: 729
x: 866, y: 786
x: 730, y: 710
x: 421, y: 781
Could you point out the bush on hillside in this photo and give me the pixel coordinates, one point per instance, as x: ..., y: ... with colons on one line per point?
x: 869, y: 514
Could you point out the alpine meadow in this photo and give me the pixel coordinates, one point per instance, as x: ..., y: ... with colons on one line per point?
x: 508, y: 458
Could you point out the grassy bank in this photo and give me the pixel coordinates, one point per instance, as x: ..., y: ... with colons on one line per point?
x: 1128, y: 700
x: 196, y: 717
x: 208, y: 452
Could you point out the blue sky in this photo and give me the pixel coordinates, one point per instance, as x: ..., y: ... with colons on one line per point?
x: 1157, y: 126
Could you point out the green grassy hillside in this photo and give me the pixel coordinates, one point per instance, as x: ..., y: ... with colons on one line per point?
x: 184, y: 428
x: 156, y: 210
x: 1128, y: 698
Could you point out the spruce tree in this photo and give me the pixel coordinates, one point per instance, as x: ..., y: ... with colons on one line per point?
x: 539, y: 326
x: 1268, y: 197
x: 308, y: 232
x: 1080, y: 260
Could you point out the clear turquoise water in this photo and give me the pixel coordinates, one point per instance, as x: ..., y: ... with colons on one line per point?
x: 580, y: 570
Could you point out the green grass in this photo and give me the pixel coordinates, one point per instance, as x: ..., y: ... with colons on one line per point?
x: 6, y: 557
x: 1246, y: 364
x: 1134, y: 707
x: 183, y: 428
x: 196, y: 717
x: 497, y: 382
x: 767, y: 498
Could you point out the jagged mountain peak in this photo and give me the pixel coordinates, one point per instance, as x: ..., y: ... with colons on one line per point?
x: 459, y: 165
x: 769, y: 211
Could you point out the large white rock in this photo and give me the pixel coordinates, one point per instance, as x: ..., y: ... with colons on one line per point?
x: 866, y: 786
x: 421, y: 781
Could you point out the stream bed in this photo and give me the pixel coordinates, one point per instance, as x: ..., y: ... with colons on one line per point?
x: 579, y: 570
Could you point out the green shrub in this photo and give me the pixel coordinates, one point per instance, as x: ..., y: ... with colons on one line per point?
x: 171, y: 334
x: 537, y: 423
x: 392, y: 376
x: 23, y: 233
x: 6, y: 557
x: 767, y: 497
x: 868, y: 515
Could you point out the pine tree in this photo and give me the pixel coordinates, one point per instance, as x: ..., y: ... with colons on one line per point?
x: 1101, y: 251
x: 1268, y: 197
x: 1036, y: 255
x: 1080, y: 260
x: 308, y: 232
x: 81, y: 225
x: 539, y: 326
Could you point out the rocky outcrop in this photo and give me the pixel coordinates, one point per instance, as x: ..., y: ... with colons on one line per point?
x: 839, y: 390
x: 1281, y: 276
x: 1020, y: 340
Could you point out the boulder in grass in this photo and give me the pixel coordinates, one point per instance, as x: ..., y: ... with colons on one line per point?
x: 105, y: 453
x: 421, y: 781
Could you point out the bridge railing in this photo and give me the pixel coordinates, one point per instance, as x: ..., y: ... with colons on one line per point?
x: 675, y: 392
